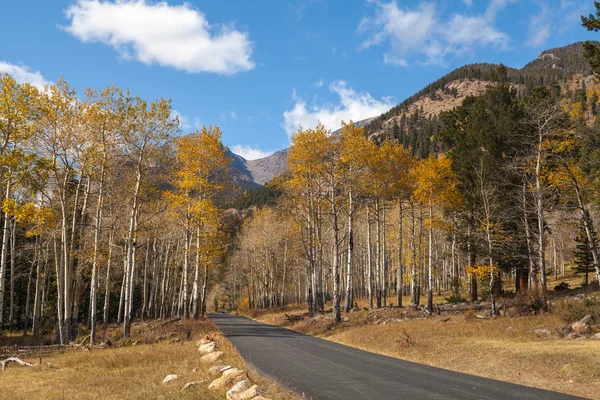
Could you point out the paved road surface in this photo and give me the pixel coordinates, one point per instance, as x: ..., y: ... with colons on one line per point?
x: 320, y: 369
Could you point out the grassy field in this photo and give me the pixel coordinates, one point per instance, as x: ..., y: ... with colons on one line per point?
x: 505, y: 348
x: 131, y: 371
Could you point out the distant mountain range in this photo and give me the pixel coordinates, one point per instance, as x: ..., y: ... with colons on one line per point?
x: 415, y: 123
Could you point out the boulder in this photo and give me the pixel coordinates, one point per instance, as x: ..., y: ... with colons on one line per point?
x: 596, y: 336
x: 228, y: 379
x: 170, y: 378
x: 211, y: 358
x: 250, y: 394
x: 237, y: 389
x: 583, y: 325
x: 207, y: 348
x: 346, y: 319
x: 203, y: 341
x: 572, y: 336
x: 218, y: 369
x: 190, y: 384
x: 564, y: 331
x: 542, y: 332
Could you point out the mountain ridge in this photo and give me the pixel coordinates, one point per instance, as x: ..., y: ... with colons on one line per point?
x: 414, y: 121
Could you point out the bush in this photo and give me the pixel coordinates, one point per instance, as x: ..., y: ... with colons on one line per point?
x: 574, y: 310
x: 528, y: 302
x: 455, y: 299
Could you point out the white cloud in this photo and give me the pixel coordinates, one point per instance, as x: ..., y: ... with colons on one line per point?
x: 184, y: 122
x: 352, y: 105
x: 555, y: 20
x: 319, y: 83
x: 539, y: 27
x: 157, y: 33
x: 233, y: 115
x: 22, y: 74
x: 421, y: 32
x: 468, y: 3
x: 249, y: 152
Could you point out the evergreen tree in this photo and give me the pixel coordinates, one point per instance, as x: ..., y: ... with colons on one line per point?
x: 590, y: 50
x: 583, y: 253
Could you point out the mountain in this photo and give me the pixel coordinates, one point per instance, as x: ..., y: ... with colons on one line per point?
x: 415, y: 122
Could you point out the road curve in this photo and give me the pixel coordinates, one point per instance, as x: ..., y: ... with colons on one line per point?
x: 320, y: 369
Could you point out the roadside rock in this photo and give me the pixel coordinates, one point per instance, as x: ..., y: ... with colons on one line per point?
x: 596, y: 336
x: 346, y: 319
x: 190, y: 384
x: 253, y: 393
x: 218, y: 369
x: 240, y: 387
x: 228, y: 379
x: 207, y: 348
x: 511, y: 329
x: 583, y: 325
x: 203, y: 341
x: 170, y: 378
x: 211, y: 358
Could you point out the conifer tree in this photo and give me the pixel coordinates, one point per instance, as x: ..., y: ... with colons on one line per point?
x: 583, y: 252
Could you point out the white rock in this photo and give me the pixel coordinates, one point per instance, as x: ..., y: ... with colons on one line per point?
x: 234, y: 392
x: 229, y: 378
x: 207, y: 348
x: 170, y: 378
x: 211, y: 358
x: 218, y: 369
x: 253, y: 393
x: 190, y: 384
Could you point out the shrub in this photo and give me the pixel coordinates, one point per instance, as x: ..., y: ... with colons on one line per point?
x: 455, y: 299
x: 574, y: 310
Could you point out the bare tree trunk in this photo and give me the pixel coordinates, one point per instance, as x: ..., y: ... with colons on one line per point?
x: 541, y: 218
x: 430, y: 260
x: 130, y: 245
x: 204, y: 287
x: 369, y: 260
x: 13, y: 239
x: 60, y: 291
x: 196, y: 288
x: 414, y: 271
x: 80, y: 261
x: 377, y: 254
x: 37, y: 303
x: 4, y: 255
x: 384, y: 264
x: 107, y: 284
x: 349, y: 282
x: 400, y: 270
x: 336, y: 257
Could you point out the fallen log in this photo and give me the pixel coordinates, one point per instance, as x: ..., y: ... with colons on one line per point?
x: 16, y: 360
x: 294, y: 318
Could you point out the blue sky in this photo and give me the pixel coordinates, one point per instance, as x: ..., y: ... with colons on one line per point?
x: 259, y: 69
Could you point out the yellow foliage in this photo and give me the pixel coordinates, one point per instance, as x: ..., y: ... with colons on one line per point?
x: 481, y: 271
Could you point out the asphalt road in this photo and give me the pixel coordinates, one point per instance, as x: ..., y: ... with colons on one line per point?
x: 319, y: 369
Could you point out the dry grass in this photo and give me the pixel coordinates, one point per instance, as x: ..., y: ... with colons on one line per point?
x: 129, y: 372
x: 488, y: 348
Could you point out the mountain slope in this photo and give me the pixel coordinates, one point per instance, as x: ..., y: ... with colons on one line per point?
x: 415, y: 123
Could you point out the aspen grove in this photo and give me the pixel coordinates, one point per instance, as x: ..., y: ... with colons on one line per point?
x: 367, y: 218
x: 109, y: 212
